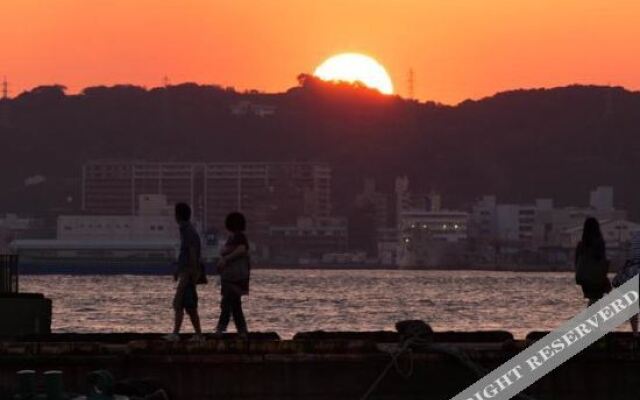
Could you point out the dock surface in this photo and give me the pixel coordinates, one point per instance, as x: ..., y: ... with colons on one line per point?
x: 317, y: 365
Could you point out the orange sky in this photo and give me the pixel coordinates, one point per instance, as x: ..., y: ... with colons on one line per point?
x: 458, y: 48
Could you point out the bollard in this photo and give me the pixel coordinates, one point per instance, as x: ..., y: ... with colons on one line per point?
x: 100, y: 385
x: 53, y: 385
x: 414, y: 329
x: 26, y: 384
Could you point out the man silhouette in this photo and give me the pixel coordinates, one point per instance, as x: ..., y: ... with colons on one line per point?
x: 187, y: 274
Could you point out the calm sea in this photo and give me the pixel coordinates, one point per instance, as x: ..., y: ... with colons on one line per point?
x: 289, y: 301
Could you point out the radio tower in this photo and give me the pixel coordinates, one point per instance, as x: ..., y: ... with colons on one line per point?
x: 411, y: 83
x: 5, y: 88
x: 4, y: 106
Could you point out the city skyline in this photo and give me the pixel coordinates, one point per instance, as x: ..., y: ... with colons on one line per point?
x: 294, y: 220
x: 523, y: 45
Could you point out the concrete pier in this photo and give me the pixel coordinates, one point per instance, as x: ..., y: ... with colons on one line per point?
x: 316, y: 365
x: 24, y: 314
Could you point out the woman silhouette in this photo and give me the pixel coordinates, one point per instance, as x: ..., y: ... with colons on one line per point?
x: 591, y: 262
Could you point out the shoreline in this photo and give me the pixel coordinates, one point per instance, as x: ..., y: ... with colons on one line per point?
x: 163, y: 269
x: 490, y: 268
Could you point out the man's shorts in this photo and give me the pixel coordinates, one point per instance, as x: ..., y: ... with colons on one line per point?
x: 189, y: 298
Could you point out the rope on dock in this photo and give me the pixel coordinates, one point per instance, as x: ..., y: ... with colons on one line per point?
x: 394, y: 362
x: 418, y: 342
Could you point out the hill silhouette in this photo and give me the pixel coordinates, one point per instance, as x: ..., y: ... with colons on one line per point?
x: 520, y: 144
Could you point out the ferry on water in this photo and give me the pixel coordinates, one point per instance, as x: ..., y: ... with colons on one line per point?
x: 144, y: 243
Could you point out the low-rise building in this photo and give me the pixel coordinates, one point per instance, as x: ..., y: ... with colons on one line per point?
x: 534, y: 233
x: 435, y: 237
x: 616, y: 234
x: 307, y: 241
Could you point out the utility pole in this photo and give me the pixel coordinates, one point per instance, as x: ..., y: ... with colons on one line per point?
x: 411, y: 84
x: 4, y: 104
x: 5, y: 88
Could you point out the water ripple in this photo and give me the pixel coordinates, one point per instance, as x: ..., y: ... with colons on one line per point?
x: 289, y: 301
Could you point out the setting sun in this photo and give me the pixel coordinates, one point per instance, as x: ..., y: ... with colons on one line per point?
x: 354, y: 67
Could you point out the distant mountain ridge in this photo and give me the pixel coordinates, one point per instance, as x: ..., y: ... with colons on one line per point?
x: 519, y: 144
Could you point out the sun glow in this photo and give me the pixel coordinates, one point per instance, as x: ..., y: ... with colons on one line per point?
x: 354, y: 67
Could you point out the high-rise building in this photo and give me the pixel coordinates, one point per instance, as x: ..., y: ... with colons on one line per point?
x: 601, y: 198
x: 266, y: 192
x: 369, y: 219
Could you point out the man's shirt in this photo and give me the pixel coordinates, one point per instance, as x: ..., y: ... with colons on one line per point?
x: 189, y: 239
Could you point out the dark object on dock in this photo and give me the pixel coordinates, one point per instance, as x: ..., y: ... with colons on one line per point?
x: 8, y: 273
x: 101, y: 386
x: 127, y: 337
x: 473, y: 337
x: 100, y: 383
x: 148, y: 389
x: 24, y: 314
x: 53, y: 386
x: 376, y: 336
x: 534, y: 336
x: 414, y: 329
x: 613, y: 341
x: 20, y: 313
x: 26, y: 384
x: 394, y: 337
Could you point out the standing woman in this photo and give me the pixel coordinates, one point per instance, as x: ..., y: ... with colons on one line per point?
x: 591, y: 262
x: 234, y: 266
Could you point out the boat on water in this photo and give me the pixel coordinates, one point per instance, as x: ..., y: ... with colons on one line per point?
x: 143, y: 243
x: 54, y: 256
x: 95, y: 256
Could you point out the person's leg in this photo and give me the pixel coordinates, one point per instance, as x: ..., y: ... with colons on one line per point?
x: 178, y: 310
x: 238, y: 315
x: 225, y: 314
x: 191, y: 305
x: 594, y: 297
x: 195, y: 319
x: 177, y: 322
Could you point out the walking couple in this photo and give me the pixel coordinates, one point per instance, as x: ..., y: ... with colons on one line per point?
x: 234, y: 268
